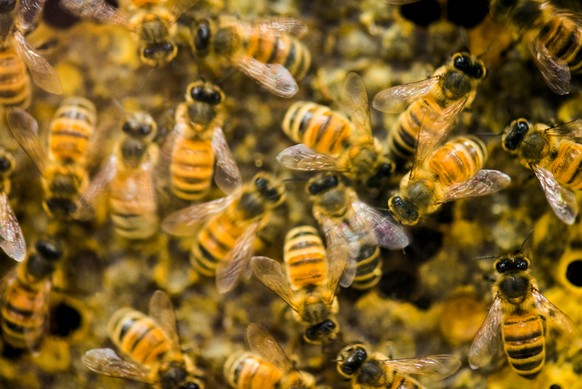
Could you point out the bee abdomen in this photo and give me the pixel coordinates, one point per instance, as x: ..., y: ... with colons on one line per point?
x: 369, y: 271
x: 458, y: 160
x: 524, y: 344
x: 562, y: 37
x: 246, y: 371
x: 14, y: 80
x: 134, y: 218
x: 283, y: 50
x: 305, y: 257
x: 191, y: 169
x: 567, y: 165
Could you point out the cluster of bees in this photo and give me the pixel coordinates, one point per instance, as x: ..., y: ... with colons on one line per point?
x: 169, y: 188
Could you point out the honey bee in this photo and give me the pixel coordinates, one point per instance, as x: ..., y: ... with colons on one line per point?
x: 267, y: 50
x: 368, y: 371
x: 349, y: 223
x: 11, y: 237
x: 369, y: 268
x: 329, y: 141
x: 151, y: 345
x: 433, y: 105
x: 310, y: 284
x: 265, y: 367
x: 225, y: 229
x: 519, y: 318
x: 453, y: 171
x: 554, y: 154
x: 24, y: 304
x: 64, y: 166
x: 551, y: 35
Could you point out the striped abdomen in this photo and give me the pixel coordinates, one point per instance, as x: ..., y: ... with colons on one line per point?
x: 524, y: 343
x: 566, y: 166
x: 71, y: 130
x: 562, y: 36
x: 458, y: 160
x: 305, y: 257
x: 404, y: 382
x: 138, y: 336
x: 192, y: 168
x: 369, y: 269
x: 14, y: 80
x: 318, y: 127
x: 248, y: 371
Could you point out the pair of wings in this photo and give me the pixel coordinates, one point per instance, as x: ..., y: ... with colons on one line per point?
x: 488, y: 339
x: 106, y: 361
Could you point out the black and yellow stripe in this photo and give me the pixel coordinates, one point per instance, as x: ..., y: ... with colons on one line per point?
x: 458, y: 160
x: 524, y: 343
x: 304, y: 255
x: 14, y: 80
x: 192, y: 168
x: 369, y: 270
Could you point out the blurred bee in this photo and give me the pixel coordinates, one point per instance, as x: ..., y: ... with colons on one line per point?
x: 329, y: 141
x: 24, y: 303
x: 554, y: 154
x: 16, y: 55
x: 151, y: 345
x: 310, y: 284
x: 551, y: 35
x: 11, y: 237
x: 349, y: 223
x: 267, y: 50
x: 64, y: 166
x: 519, y: 318
x: 433, y: 105
x: 369, y: 268
x: 225, y: 229
x: 453, y: 171
x: 368, y: 371
x: 265, y: 367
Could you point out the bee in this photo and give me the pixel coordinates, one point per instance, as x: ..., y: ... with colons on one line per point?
x: 369, y: 268
x: 519, y: 319
x: 24, y: 301
x: 267, y: 50
x: 551, y: 35
x: 375, y: 370
x: 198, y: 141
x: 453, y: 171
x: 310, y: 284
x: 554, y: 154
x: 151, y: 344
x: 349, y: 223
x: 433, y: 105
x: 64, y: 166
x: 225, y: 229
x: 11, y: 237
x: 329, y: 141
x: 265, y: 367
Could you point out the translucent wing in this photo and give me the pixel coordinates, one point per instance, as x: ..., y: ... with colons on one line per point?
x: 555, y: 318
x: 436, y: 367
x: 483, y: 183
x: 43, y: 74
x: 263, y: 344
x: 106, y: 361
x: 229, y: 271
x: 24, y: 128
x: 377, y: 228
x: 270, y: 273
x: 27, y: 12
x: 487, y: 340
x: 355, y: 100
x: 337, y: 262
x: 185, y: 221
x: 301, y: 157
x: 162, y: 311
x: 11, y: 237
x: 555, y: 71
x: 95, y: 10
x: 227, y: 175
x: 96, y: 188
x: 571, y: 129
x: 397, y: 98
x: 562, y: 200
x: 279, y: 25
x: 273, y: 77
x: 343, y: 244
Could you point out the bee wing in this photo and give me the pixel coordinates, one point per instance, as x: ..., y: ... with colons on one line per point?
x: 270, y: 273
x: 355, y: 99
x: 377, y: 228
x: 562, y: 200
x: 273, y: 77
x: 555, y: 71
x: 27, y: 13
x: 162, y: 311
x: 11, y: 237
x: 486, y: 342
x: 105, y: 361
x: 228, y: 272
x: 96, y: 188
x: 554, y: 316
x: 278, y: 25
x: 227, y: 175
x: 24, y: 128
x: 436, y: 367
x: 343, y: 245
x: 397, y: 98
x: 43, y: 74
x: 301, y: 157
x: 262, y: 343
x: 483, y: 183
x: 95, y: 10
x: 571, y: 130
x: 184, y: 221
x: 341, y: 270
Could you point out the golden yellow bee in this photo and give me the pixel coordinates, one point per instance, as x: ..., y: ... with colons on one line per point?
x: 24, y: 304
x: 329, y: 141
x: 520, y: 319
x: 453, y: 171
x: 225, y: 229
x: 151, y: 344
x: 267, y: 50
x: 551, y: 34
x: 265, y: 367
x: 432, y: 105
x: 376, y: 370
x: 11, y: 237
x: 554, y: 154
x: 310, y: 284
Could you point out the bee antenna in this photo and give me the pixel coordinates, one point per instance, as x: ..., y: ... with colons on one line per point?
x: 117, y: 104
x: 527, y: 238
x: 230, y: 73
x: 295, y: 179
x: 485, y: 257
x: 486, y: 134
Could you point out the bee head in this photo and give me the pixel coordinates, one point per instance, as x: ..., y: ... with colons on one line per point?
x: 322, y: 332
x: 202, y: 35
x: 7, y: 163
x: 514, y: 134
x: 402, y: 211
x: 158, y: 54
x: 41, y: 264
x: 175, y: 376
x: 322, y: 183
x: 204, y: 92
x: 140, y: 125
x: 7, y: 6
x: 465, y: 63
x: 270, y: 189
x: 350, y: 359
x: 385, y: 171
x: 512, y: 263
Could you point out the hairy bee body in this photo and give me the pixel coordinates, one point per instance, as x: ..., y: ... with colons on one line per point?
x: 249, y: 371
x: 458, y: 160
x: 564, y: 163
x: 369, y: 270
x: 304, y: 256
x: 192, y: 168
x: 15, y: 89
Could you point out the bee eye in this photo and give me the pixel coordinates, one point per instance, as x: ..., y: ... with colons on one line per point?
x: 272, y: 195
x: 521, y: 126
x: 331, y: 181
x: 461, y: 62
x: 202, y: 36
x: 168, y: 47
x: 5, y: 164
x: 190, y: 385
x: 144, y: 129
x: 521, y: 264
x: 196, y: 93
x: 148, y: 52
x: 49, y: 250
x: 260, y: 184
x: 214, y: 98
x: 127, y: 128
x: 502, y: 266
x: 7, y: 5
